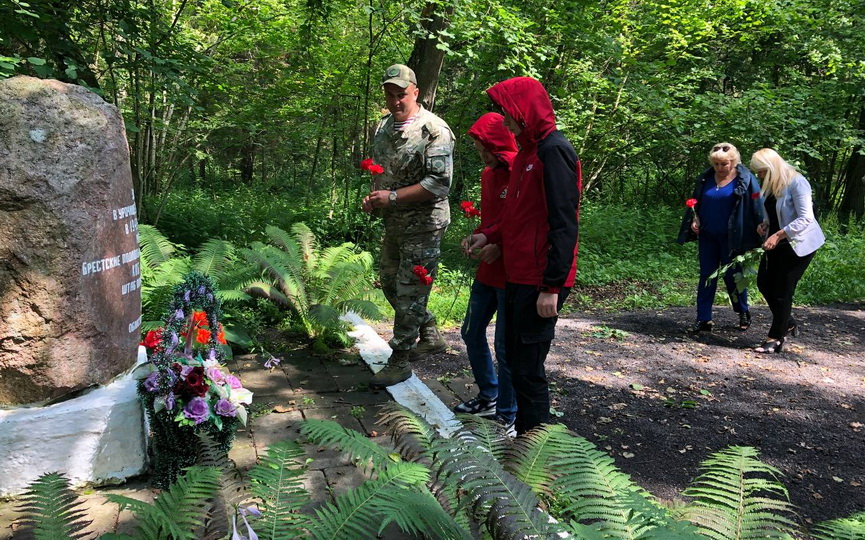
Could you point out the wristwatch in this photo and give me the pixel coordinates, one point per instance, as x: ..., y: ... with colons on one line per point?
x: 392, y: 198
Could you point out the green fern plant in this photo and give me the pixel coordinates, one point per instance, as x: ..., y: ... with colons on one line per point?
x: 315, y: 286
x: 277, y: 483
x: 737, y: 497
x: 397, y: 494
x: 849, y: 528
x: 52, y: 511
x: 178, y: 513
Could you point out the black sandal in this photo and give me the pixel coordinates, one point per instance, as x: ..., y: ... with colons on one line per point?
x: 770, y: 346
x: 744, y: 320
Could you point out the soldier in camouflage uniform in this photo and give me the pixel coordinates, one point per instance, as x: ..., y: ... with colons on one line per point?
x: 415, y: 147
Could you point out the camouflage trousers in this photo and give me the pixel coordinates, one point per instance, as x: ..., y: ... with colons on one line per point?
x: 400, y: 253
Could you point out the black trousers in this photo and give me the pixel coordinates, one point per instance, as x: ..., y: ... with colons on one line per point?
x: 527, y: 341
x: 780, y: 272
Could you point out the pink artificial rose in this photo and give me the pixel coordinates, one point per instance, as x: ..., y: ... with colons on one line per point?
x: 233, y: 382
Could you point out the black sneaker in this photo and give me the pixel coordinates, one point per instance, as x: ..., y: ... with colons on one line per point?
x: 701, y: 326
x: 478, y: 406
x: 508, y: 425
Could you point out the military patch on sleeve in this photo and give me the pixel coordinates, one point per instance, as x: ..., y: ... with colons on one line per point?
x: 437, y: 164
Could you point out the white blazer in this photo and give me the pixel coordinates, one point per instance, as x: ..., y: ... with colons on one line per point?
x: 795, y: 211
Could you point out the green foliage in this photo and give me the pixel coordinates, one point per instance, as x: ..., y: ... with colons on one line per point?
x: 479, y: 476
x: 178, y: 511
x: 737, y: 497
x: 52, y: 510
x: 276, y: 481
x: 849, y: 528
x: 315, y: 286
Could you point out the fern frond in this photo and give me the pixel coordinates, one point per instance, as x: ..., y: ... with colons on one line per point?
x: 308, y: 246
x: 849, y: 528
x: 531, y: 456
x: 412, y: 435
x: 278, y: 482
x: 360, y: 447
x: 178, y: 512
x: 476, y: 471
x: 52, y: 510
x: 232, y: 488
x: 281, y: 268
x: 418, y: 513
x: 155, y: 247
x: 364, y: 308
x: 232, y: 296
x: 489, y: 434
x: 269, y: 291
x: 325, y: 319
x: 736, y: 497
x: 214, y: 258
x: 589, y: 486
x: 360, y: 513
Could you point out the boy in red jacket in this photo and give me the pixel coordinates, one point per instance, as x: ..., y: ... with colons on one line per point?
x: 497, y: 149
x: 538, y: 239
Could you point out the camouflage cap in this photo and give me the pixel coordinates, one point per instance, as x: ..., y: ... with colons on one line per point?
x: 400, y: 75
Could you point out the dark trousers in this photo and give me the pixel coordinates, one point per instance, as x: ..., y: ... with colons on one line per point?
x: 714, y: 253
x: 780, y: 272
x: 527, y: 341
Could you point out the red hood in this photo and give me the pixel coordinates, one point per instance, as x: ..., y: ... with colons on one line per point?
x: 526, y: 100
x: 491, y: 132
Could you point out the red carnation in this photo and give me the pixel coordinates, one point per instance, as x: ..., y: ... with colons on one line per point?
x: 152, y: 339
x: 691, y: 203
x: 366, y: 164
x: 376, y: 169
x: 419, y: 270
x: 755, y: 195
x: 426, y: 280
x: 469, y: 209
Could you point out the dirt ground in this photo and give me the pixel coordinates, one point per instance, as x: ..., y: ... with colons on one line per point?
x: 660, y: 401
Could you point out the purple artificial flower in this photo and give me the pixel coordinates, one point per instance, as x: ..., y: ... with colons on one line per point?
x: 178, y: 314
x: 216, y: 375
x: 197, y: 410
x: 185, y: 371
x: 211, y: 355
x: 225, y: 408
x: 151, y: 383
x: 201, y: 289
x: 173, y: 343
x: 170, y: 401
x: 272, y: 362
x: 186, y: 296
x: 209, y: 297
x: 233, y: 382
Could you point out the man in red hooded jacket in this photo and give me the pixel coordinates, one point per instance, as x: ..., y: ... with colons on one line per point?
x: 497, y: 149
x: 538, y: 239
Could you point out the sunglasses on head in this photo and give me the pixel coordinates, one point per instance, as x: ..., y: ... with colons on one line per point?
x: 722, y: 148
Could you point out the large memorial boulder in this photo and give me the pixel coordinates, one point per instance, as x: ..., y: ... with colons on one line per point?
x: 70, y: 304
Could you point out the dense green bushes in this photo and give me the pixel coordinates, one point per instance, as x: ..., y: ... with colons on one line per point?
x: 628, y: 255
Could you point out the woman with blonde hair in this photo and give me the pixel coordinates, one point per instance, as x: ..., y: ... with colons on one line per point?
x: 724, y: 213
x: 793, y: 237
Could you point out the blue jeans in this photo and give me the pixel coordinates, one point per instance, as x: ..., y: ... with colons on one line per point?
x: 714, y: 253
x: 485, y: 301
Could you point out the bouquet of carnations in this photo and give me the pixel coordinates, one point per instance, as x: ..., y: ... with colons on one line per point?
x: 187, y: 388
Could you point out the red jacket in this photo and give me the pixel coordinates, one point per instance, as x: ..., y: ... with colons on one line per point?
x: 540, y: 231
x: 491, y: 132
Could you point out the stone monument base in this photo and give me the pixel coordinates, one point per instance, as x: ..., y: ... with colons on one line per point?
x: 97, y: 438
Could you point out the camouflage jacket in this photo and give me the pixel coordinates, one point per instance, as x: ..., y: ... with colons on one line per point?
x: 421, y: 154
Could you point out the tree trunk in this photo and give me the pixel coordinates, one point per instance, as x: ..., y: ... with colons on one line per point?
x: 854, y: 183
x: 426, y: 59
